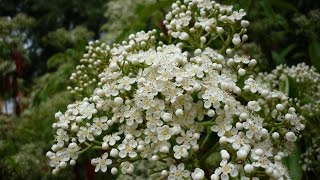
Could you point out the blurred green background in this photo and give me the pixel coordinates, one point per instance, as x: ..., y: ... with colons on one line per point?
x: 41, y: 43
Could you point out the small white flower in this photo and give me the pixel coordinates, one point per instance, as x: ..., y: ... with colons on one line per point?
x: 221, y: 126
x: 73, y: 150
x: 101, y: 163
x: 198, y: 174
x: 254, y: 106
x: 205, y: 4
x: 212, y: 97
x: 99, y: 125
x: 111, y: 139
x: 180, y: 151
x: 253, y: 128
x: 133, y: 115
x: 225, y: 170
x: 61, y: 137
x: 238, y: 140
x: 85, y: 133
x: 187, y: 138
x: 87, y: 110
x: 248, y: 168
x: 252, y: 85
x: 127, y: 168
x: 239, y: 14
x: 164, y: 133
x: 178, y: 173
x: 236, y: 39
x: 125, y: 83
x: 128, y: 148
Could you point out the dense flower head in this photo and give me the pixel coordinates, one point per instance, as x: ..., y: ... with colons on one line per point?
x: 178, y: 103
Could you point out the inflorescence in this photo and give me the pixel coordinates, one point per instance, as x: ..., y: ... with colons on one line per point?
x: 178, y: 98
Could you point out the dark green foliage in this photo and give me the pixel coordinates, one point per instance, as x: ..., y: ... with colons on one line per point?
x: 54, y: 50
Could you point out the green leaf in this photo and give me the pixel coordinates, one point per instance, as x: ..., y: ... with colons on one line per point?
x: 294, y: 166
x: 287, y: 50
x: 55, y: 60
x: 280, y: 58
x: 6, y: 67
x: 268, y: 10
x: 283, y: 5
x: 314, y: 53
x: 277, y: 58
x: 307, y: 99
x: 294, y: 88
x: 213, y: 160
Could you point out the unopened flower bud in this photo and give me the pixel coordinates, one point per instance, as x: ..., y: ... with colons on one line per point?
x: 220, y: 30
x: 275, y: 135
x: 203, y: 39
x: 279, y: 107
x: 105, y: 145
x: 73, y: 162
x: 241, y: 154
x: 244, y: 23
x: 225, y: 155
x: 288, y: 117
x: 118, y: 101
x: 184, y: 36
x: 236, y: 39
x: 114, y: 153
x: 241, y: 72
x: 164, y: 173
x: 290, y: 136
x: 179, y: 112
x: 114, y: 171
x: 210, y: 113
x: 248, y: 168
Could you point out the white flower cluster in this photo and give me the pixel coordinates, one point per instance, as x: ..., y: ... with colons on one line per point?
x: 303, y: 82
x: 311, y: 157
x: 179, y: 103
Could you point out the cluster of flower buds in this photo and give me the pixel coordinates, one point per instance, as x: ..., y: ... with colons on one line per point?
x: 85, y: 79
x: 305, y: 81
x: 207, y: 23
x: 194, y: 108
